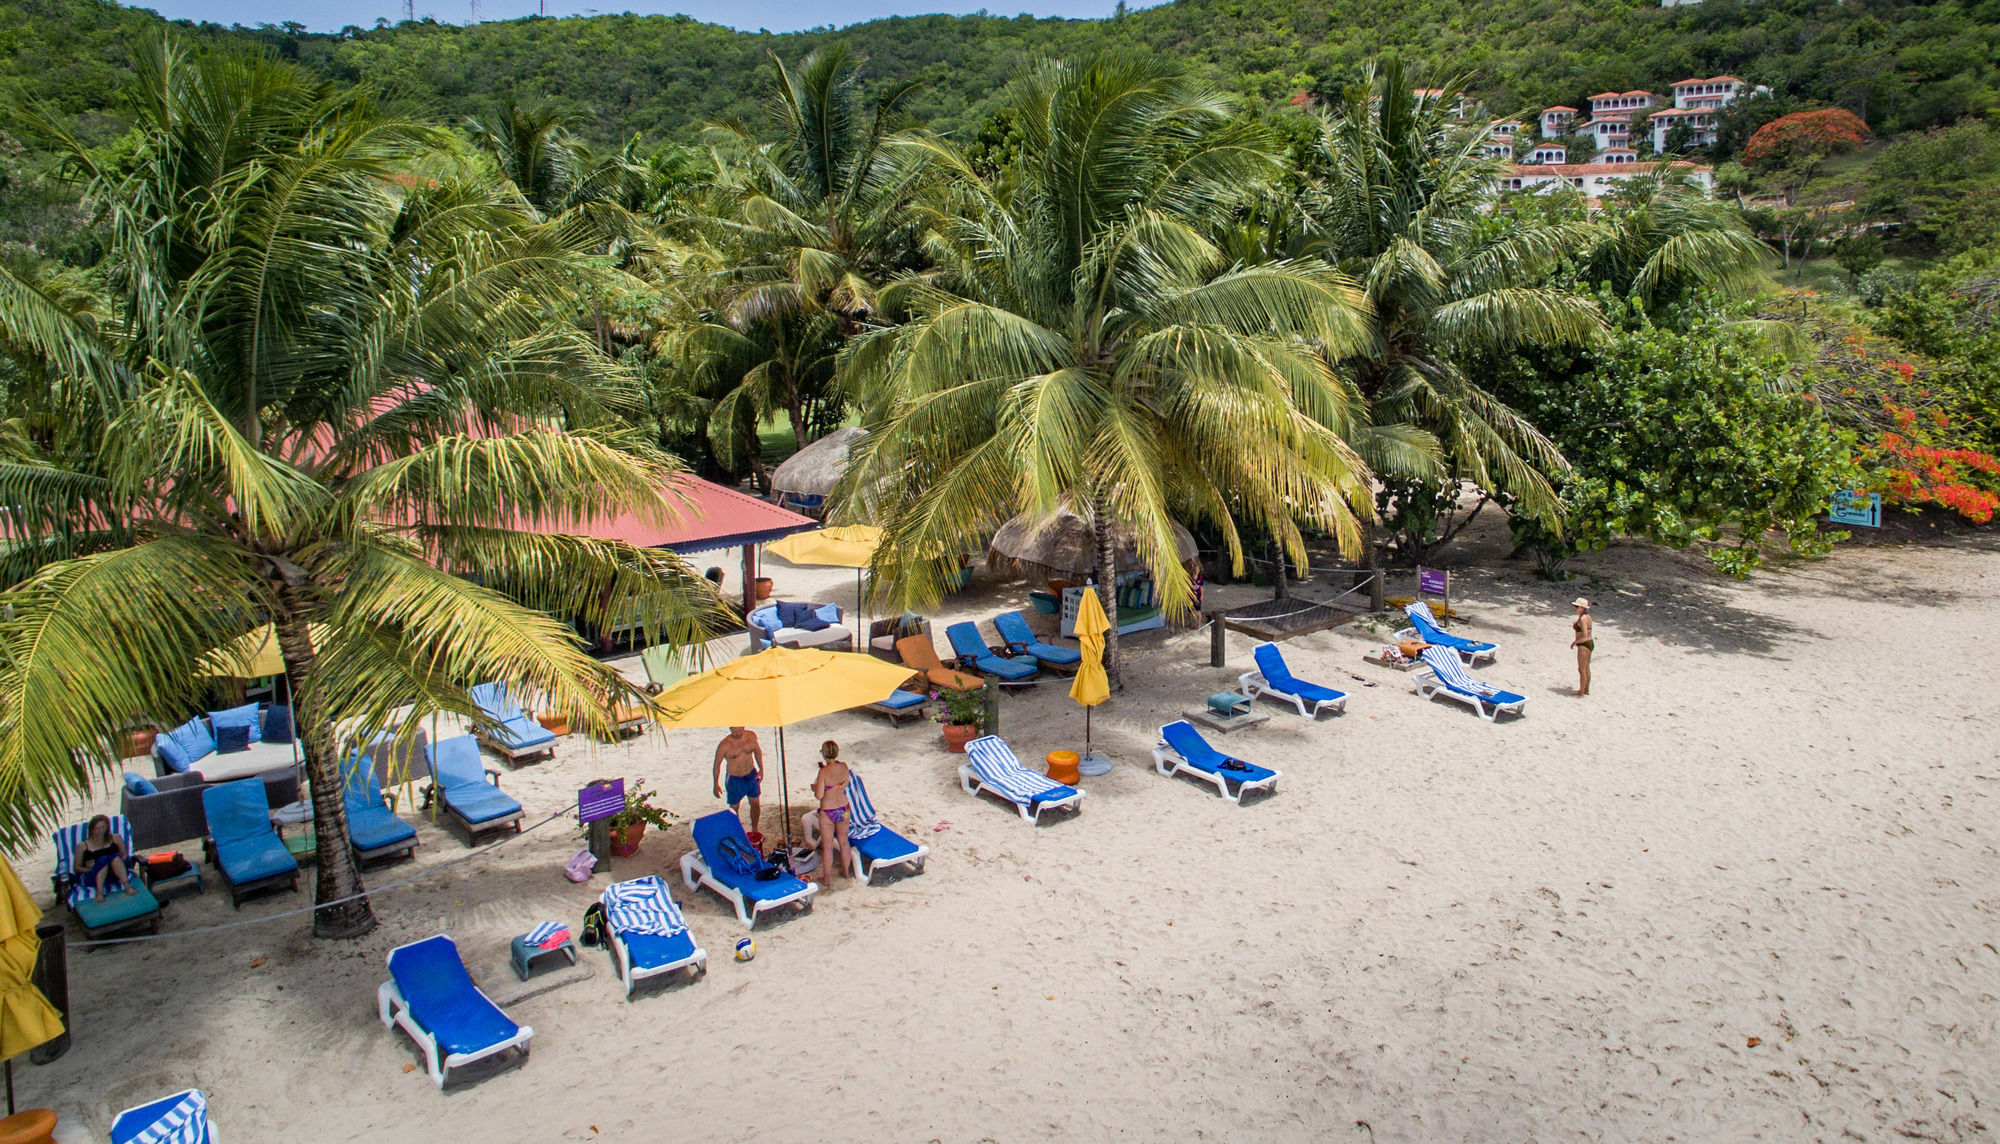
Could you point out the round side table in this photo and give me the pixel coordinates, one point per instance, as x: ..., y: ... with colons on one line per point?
x: 31, y: 1126
x: 1062, y: 767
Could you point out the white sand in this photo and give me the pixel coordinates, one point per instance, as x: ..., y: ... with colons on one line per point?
x: 1774, y: 819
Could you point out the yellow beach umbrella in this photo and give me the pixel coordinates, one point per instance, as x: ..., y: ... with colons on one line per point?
x: 256, y: 654
x: 776, y: 687
x: 1091, y: 685
x: 842, y: 546
x: 26, y: 1017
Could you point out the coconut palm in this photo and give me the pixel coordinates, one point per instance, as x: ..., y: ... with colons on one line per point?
x: 1085, y: 344
x: 1663, y: 237
x: 1402, y: 203
x: 321, y: 387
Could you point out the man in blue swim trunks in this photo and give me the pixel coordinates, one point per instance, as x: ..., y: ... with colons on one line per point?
x: 744, y: 758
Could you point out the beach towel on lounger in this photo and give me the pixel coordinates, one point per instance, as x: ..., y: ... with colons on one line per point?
x: 642, y: 905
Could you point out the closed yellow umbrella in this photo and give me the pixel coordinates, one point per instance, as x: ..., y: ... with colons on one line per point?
x: 26, y: 1017
x: 775, y: 687
x: 1091, y: 685
x: 842, y: 546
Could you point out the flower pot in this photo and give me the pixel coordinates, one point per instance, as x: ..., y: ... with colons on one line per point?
x: 625, y: 841
x: 957, y: 735
x: 133, y: 744
x: 763, y: 586
x: 556, y: 724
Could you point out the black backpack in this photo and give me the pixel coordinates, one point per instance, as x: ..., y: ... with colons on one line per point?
x: 594, y: 925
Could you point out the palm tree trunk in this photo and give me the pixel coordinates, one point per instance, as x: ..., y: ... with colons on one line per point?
x: 1371, y: 555
x: 1107, y: 585
x: 797, y: 410
x: 339, y: 875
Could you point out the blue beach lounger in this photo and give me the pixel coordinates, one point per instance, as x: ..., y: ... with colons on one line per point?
x: 648, y: 935
x: 992, y: 768
x: 1273, y: 678
x: 724, y: 861
x: 1182, y: 750
x: 468, y: 788
x: 1021, y: 640
x: 973, y: 655
x: 1424, y: 627
x: 1444, y: 674
x: 517, y: 737
x: 242, y: 842
x: 372, y: 827
x: 431, y: 996
x: 178, y: 1119
x: 902, y: 705
x: 872, y: 846
x: 114, y: 911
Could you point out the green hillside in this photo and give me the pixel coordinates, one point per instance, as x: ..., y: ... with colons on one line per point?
x: 1901, y: 65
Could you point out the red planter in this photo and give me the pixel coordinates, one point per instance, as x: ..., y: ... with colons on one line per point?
x: 957, y: 735
x: 764, y: 587
x: 133, y: 744
x: 625, y: 843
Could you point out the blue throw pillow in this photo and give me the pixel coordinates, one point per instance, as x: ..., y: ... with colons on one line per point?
x: 139, y: 784
x: 766, y: 618
x: 277, y: 725
x: 170, y: 753
x: 194, y: 739
x: 828, y: 612
x: 790, y: 612
x: 244, y: 716
x: 229, y: 740
x: 811, y: 623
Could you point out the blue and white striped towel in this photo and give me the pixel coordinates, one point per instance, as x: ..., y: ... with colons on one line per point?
x: 185, y: 1123
x: 642, y: 905
x: 1451, y: 671
x: 997, y: 768
x: 861, y: 821
x: 548, y: 935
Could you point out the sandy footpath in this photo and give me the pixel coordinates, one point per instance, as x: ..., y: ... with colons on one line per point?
x: 1746, y: 890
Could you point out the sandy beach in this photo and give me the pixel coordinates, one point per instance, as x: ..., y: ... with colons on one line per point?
x: 1744, y: 891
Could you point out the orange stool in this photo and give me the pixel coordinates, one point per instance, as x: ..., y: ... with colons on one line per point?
x: 34, y: 1126
x: 1062, y: 767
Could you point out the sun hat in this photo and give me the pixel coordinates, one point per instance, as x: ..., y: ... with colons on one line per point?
x: 1579, y: 602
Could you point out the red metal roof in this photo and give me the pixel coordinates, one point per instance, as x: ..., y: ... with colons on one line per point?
x: 1558, y: 107
x: 709, y: 516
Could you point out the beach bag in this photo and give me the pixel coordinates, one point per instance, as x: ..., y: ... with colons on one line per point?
x: 594, y: 925
x: 166, y: 864
x: 1411, y: 648
x: 580, y: 865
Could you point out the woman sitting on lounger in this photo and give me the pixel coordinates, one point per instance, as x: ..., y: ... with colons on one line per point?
x: 830, y: 787
x: 102, y: 858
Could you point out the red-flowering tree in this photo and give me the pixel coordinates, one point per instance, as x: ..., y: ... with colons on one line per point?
x: 1792, y: 147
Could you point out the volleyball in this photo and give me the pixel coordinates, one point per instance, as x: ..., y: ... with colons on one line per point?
x: 745, y: 949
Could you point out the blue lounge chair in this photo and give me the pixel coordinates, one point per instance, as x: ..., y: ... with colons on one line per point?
x: 993, y: 769
x: 178, y: 1119
x: 902, y: 705
x: 1021, y: 640
x: 468, y: 788
x: 1273, y: 678
x: 648, y: 936
x: 114, y: 911
x: 242, y: 842
x: 724, y: 861
x: 372, y: 826
x: 1182, y: 750
x: 431, y: 996
x: 872, y: 846
x: 1424, y: 627
x: 1444, y: 674
x: 974, y: 655
x: 514, y: 735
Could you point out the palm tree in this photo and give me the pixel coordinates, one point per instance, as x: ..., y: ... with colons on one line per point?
x: 1086, y: 344
x: 1401, y: 203
x: 1663, y: 238
x: 321, y: 388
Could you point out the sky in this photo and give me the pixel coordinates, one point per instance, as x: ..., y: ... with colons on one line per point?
x: 748, y: 15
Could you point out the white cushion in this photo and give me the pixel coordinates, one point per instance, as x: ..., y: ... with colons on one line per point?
x: 261, y: 757
x: 836, y: 633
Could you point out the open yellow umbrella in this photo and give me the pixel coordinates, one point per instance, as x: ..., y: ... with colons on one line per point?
x: 256, y: 654
x: 776, y: 687
x: 26, y: 1017
x: 1091, y: 685
x: 842, y: 546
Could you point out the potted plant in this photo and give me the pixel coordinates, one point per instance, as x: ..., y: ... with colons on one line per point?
x: 763, y: 586
x: 963, y: 714
x: 628, y: 826
x: 137, y: 740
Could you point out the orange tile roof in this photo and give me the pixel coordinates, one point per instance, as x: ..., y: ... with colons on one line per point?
x: 1558, y: 107
x: 1566, y: 170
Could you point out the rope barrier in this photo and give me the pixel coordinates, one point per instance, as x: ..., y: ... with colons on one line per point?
x: 316, y: 907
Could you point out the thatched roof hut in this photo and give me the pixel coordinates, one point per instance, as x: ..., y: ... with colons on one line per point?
x: 815, y: 469
x: 1064, y: 544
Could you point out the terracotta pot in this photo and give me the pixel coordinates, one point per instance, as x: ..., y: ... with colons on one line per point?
x: 957, y: 735
x: 625, y: 842
x: 764, y: 588
x: 556, y: 724
x: 133, y: 744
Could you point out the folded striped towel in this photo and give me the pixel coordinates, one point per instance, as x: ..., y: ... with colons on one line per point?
x: 548, y: 935
x: 860, y: 812
x: 185, y: 1123
x: 998, y: 769
x: 642, y: 905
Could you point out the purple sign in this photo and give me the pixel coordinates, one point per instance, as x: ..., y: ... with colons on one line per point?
x: 1435, y: 581
x: 600, y: 800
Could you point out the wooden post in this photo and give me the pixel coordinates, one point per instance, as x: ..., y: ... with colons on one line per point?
x: 992, y: 693
x: 1218, y: 639
x: 600, y: 845
x: 749, y: 579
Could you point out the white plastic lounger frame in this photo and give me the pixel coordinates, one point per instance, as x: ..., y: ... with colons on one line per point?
x: 1430, y: 683
x: 1252, y: 684
x: 696, y: 874
x: 695, y: 963
x: 1481, y: 651
x: 395, y: 1011
x: 970, y: 781
x: 1170, y: 762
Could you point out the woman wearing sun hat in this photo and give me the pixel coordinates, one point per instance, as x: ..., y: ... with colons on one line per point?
x: 1584, y: 643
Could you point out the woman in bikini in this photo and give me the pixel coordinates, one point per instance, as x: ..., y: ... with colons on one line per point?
x: 830, y: 787
x: 1584, y: 643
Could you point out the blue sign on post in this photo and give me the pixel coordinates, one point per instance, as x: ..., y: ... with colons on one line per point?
x: 1433, y: 581
x: 1863, y: 509
x: 600, y: 801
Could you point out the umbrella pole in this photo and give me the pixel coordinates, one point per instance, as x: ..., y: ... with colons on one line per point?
x: 785, y: 797
x: 10, y: 1086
